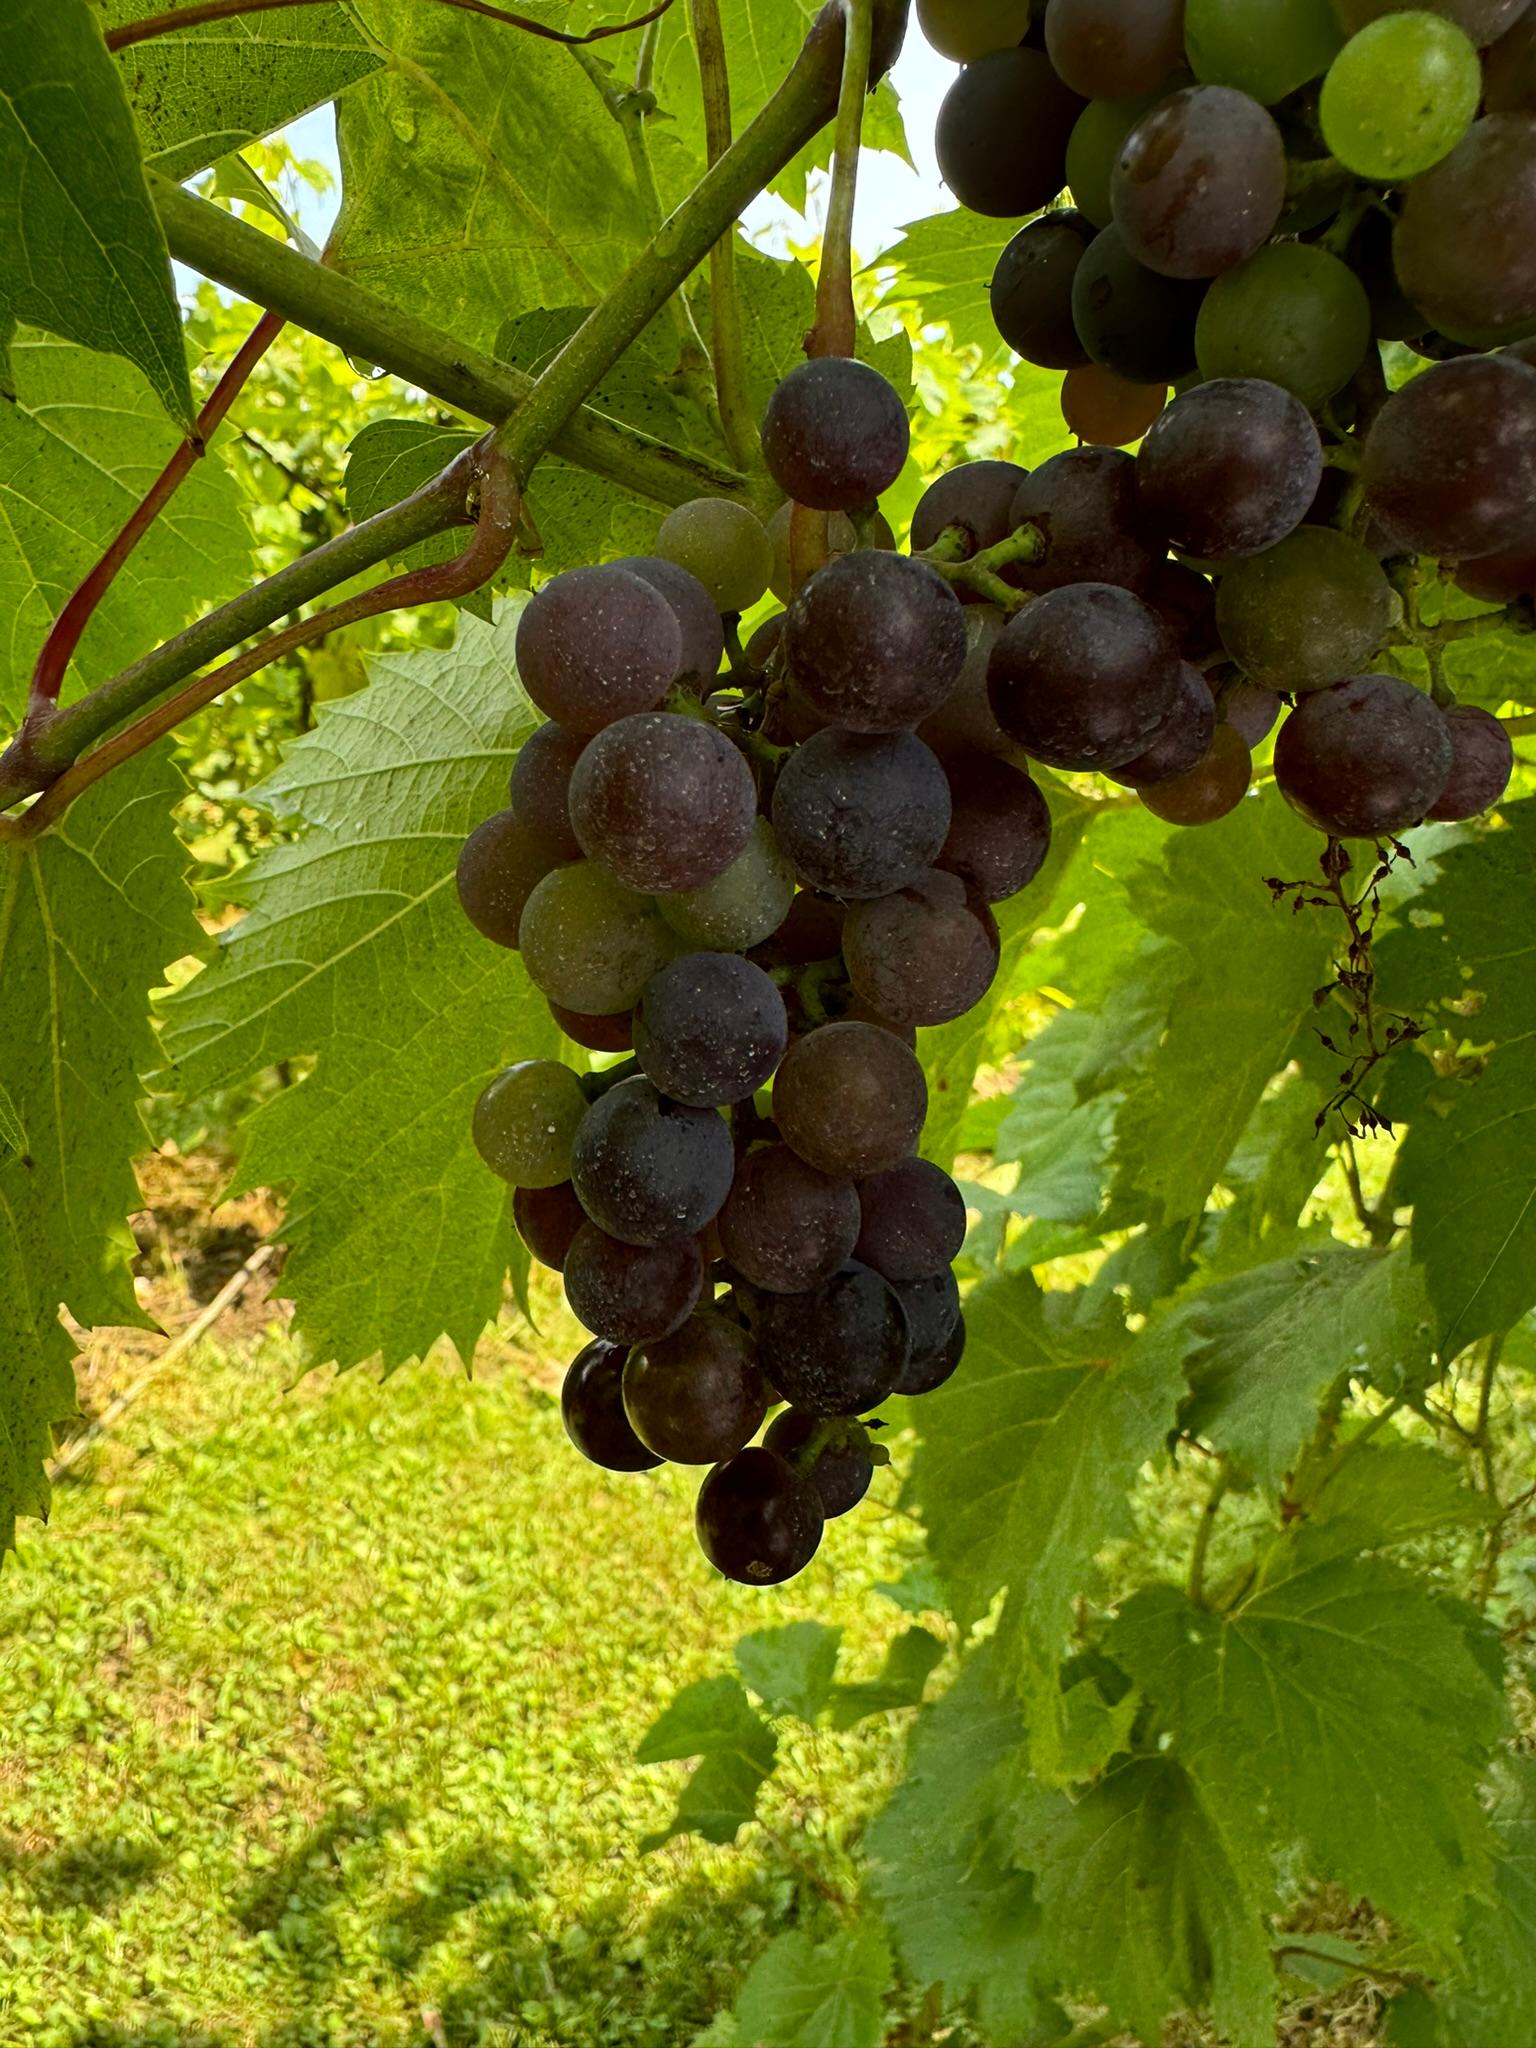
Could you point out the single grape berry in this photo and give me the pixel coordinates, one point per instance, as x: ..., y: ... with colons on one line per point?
x: 1365, y: 758
x: 1031, y: 293
x: 1509, y: 69
x: 1084, y: 676
x: 964, y: 723
x: 525, y: 1123
x: 547, y: 1220
x: 1200, y: 182
x: 759, y: 1521
x: 932, y: 1309
x: 840, y: 1470
x: 875, y: 641
x: 723, y: 545
x: 501, y: 863
x: 1001, y: 135
x: 1114, y: 49
x: 1265, y: 48
x: 1250, y: 711
x: 592, y: 1408
x: 911, y: 1221
x: 850, y: 1098
x: 598, y: 644
x: 1087, y: 505
x: 837, y: 1349
x: 999, y: 829
x: 1132, y: 320
x: 744, y: 904
x: 597, y: 1034
x: 1216, y: 784
x: 662, y: 801
x: 859, y: 814
x: 835, y: 434
x: 1181, y: 741
x: 1482, y: 761
x: 925, y: 954
x: 648, y: 1170
x: 787, y: 1226
x: 632, y: 1293
x: 1292, y: 314
x: 1185, y: 601
x: 540, y: 788
x: 1231, y: 468
x: 1297, y: 616
x: 1500, y: 578
x: 710, y: 1029
x: 1099, y: 406
x: 1465, y: 243
x: 975, y: 496
x: 590, y: 944
x: 1450, y: 461
x: 925, y: 1374
x: 697, y: 614
x: 1399, y: 96
x: 696, y: 1395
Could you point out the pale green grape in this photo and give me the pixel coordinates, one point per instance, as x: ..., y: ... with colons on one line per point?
x: 724, y: 545
x: 740, y: 908
x: 1292, y: 314
x: 589, y: 943
x: 1093, y: 147
x: 967, y: 29
x: 1265, y: 48
x: 1399, y: 96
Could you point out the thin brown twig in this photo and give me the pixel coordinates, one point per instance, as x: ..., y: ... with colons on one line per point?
x: 131, y: 32
x: 65, y: 633
x: 495, y: 527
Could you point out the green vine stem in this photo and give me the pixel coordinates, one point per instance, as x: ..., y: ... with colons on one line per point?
x: 130, y: 32
x: 1482, y: 1437
x: 1205, y: 1529
x: 980, y: 572
x: 738, y: 419
x: 496, y: 502
x: 373, y: 330
x: 64, y: 636
x: 836, y: 331
x: 44, y: 749
x: 801, y: 105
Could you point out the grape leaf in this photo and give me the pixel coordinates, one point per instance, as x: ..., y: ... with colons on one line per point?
x: 79, y: 447
x: 215, y: 86
x: 90, y: 918
x: 391, y: 458
x: 1252, y: 968
x: 482, y: 171
x: 711, y: 1719
x: 1492, y: 1996
x: 909, y: 1664
x: 355, y: 949
x: 1375, y: 1496
x: 802, y: 1995
x: 790, y: 1668
x: 82, y: 252
x: 947, y: 261
x: 1061, y: 1144
x: 1343, y: 1703
x: 1468, y: 1163
x: 959, y: 1910
x: 1151, y: 1899
x: 1268, y: 1344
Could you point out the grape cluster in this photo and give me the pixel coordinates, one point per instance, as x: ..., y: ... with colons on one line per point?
x: 1243, y: 201
x: 758, y: 884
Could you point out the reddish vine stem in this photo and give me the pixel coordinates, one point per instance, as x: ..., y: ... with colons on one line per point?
x: 131, y: 32
x: 490, y: 479
x: 65, y: 635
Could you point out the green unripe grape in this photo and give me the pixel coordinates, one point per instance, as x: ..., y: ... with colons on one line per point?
x: 1292, y: 314
x: 588, y: 943
x: 1265, y: 48
x: 722, y: 543
x: 525, y: 1123
x: 1399, y: 96
x: 740, y: 908
x: 1093, y: 149
x: 964, y: 30
x: 1307, y: 612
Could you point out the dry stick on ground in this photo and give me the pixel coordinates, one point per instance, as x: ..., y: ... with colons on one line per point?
x: 227, y: 1295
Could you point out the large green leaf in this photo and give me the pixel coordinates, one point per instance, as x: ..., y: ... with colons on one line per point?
x: 1152, y: 1898
x: 213, y: 87
x: 1339, y: 1704
x: 82, y: 252
x: 355, y: 949
x: 947, y: 261
x: 713, y: 1720
x: 799, y: 1994
x: 1492, y: 1997
x: 83, y: 442
x: 1469, y: 1159
x: 790, y: 1668
x: 1268, y: 1344
x: 90, y: 918
x: 960, y: 1911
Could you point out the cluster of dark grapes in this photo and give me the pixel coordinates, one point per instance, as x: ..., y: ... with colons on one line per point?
x: 1243, y: 202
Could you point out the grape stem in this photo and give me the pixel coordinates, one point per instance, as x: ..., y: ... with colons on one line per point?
x: 738, y: 419
x: 836, y: 330
x: 1205, y: 1529
x: 130, y: 32
x: 979, y: 572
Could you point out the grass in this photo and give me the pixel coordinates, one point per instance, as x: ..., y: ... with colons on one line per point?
x: 321, y: 1706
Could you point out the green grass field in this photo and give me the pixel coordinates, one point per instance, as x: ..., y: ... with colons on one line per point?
x: 321, y: 1700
